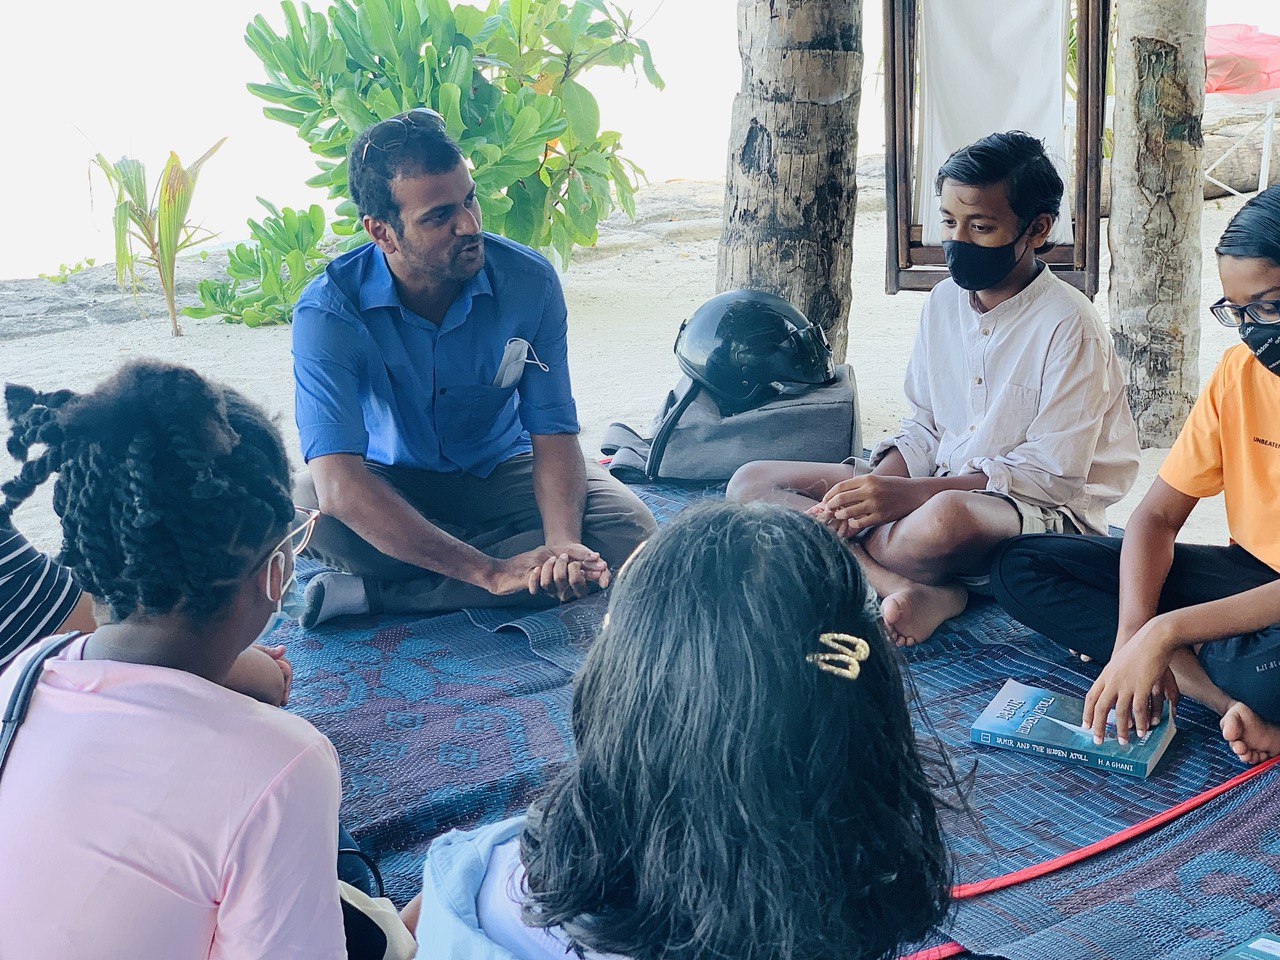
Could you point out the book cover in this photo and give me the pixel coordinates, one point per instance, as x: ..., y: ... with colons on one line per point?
x: 1047, y: 724
x: 1264, y: 947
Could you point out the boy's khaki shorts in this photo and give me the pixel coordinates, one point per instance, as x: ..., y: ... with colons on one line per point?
x: 1035, y: 519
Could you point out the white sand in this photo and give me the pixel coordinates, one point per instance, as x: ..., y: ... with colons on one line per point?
x: 626, y: 301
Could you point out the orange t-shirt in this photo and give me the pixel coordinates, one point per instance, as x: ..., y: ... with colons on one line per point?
x: 1230, y: 444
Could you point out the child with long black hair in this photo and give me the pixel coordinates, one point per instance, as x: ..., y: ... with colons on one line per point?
x: 747, y: 783
x: 145, y: 809
x: 1190, y: 618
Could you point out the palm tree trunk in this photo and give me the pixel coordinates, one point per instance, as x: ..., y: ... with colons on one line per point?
x: 791, y: 189
x: 1157, y: 196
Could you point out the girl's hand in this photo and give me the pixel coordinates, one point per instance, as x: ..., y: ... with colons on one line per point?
x: 1136, y: 683
x: 262, y: 673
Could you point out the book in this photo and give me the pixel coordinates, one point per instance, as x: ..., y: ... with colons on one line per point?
x: 1264, y: 947
x: 1047, y: 724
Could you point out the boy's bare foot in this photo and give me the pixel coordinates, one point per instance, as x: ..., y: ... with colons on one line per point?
x: 1252, y: 738
x: 914, y: 612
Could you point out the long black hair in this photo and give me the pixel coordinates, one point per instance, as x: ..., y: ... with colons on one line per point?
x: 169, y: 487
x: 1254, y: 232
x: 728, y: 798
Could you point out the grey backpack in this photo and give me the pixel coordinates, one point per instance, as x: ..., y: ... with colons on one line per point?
x: 690, y: 439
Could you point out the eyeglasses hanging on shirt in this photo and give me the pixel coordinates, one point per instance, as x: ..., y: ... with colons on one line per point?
x: 514, y: 357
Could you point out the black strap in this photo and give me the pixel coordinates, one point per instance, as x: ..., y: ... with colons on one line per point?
x: 378, y: 889
x: 24, y: 689
x: 660, y: 439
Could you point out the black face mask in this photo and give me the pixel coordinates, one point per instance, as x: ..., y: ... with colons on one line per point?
x: 980, y: 268
x: 1263, y: 339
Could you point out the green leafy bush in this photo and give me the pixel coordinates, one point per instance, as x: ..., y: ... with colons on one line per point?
x: 268, y: 273
x: 506, y: 79
x: 66, y: 270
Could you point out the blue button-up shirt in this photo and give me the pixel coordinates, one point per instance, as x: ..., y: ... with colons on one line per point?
x: 374, y: 378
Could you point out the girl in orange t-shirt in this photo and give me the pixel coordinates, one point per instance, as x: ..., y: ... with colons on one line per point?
x: 1187, y: 618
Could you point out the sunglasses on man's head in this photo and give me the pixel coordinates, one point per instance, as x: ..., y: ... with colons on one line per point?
x: 1260, y: 311
x: 394, y: 131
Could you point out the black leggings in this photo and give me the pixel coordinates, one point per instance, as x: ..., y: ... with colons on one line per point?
x: 1068, y: 588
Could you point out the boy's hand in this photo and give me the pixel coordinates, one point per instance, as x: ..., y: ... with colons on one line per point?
x: 1136, y: 683
x: 873, y: 500
x: 841, y: 528
x: 262, y: 673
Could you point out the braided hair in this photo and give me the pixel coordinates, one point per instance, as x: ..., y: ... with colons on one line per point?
x: 169, y: 488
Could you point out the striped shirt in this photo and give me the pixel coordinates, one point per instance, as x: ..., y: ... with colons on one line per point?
x: 36, y: 594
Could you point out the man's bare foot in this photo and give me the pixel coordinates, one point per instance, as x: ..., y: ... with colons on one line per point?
x: 1251, y: 737
x: 914, y: 612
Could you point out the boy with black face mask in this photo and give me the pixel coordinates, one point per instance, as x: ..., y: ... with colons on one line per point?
x: 1175, y: 617
x: 1018, y: 421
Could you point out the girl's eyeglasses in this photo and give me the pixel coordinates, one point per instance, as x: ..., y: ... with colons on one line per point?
x: 299, y: 534
x: 392, y: 132
x: 1260, y: 311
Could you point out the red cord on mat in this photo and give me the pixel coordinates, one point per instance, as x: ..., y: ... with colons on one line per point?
x: 941, y: 952
x: 965, y: 891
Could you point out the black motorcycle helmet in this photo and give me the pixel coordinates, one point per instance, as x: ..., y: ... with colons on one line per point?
x: 740, y: 345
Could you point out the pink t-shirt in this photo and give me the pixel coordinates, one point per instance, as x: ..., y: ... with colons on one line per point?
x: 146, y: 812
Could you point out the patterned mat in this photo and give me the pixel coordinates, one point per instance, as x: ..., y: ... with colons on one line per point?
x: 455, y: 720
x: 1028, y: 809
x: 1188, y: 891
x: 438, y: 723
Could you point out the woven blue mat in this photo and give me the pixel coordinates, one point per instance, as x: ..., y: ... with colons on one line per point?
x: 438, y: 723
x: 1029, y: 810
x: 444, y: 721
x: 1188, y: 891
x: 455, y: 720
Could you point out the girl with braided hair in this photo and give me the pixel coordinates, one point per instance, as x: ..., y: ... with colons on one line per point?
x: 155, y: 812
x: 39, y: 597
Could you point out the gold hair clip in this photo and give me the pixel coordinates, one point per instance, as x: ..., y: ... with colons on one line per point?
x: 846, y: 660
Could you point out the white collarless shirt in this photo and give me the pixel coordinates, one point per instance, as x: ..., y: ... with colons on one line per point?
x: 1029, y: 393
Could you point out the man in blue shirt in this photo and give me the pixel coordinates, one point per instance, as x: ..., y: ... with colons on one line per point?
x: 434, y: 406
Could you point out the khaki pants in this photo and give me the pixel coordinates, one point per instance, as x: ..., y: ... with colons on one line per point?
x: 497, y: 515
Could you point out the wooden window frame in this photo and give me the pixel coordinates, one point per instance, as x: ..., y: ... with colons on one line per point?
x: 909, y: 264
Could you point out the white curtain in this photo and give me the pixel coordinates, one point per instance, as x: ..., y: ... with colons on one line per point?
x: 988, y: 66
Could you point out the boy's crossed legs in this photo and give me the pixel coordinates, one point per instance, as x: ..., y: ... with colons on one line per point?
x: 922, y: 565
x: 1068, y: 589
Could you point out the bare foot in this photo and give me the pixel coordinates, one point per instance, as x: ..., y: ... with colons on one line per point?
x: 1251, y: 737
x: 914, y: 612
